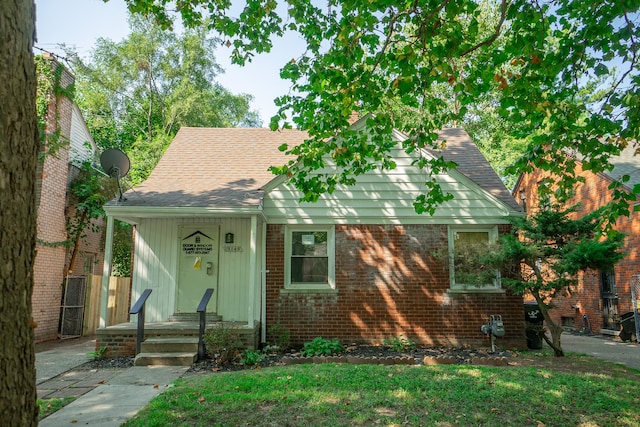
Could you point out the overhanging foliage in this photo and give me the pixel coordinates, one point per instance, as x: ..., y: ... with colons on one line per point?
x: 566, y: 71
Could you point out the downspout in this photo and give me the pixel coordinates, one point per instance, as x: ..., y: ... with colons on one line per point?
x: 106, y: 272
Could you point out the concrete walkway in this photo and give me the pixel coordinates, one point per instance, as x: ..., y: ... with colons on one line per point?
x: 113, y: 403
x: 104, y: 397
x: 605, y: 348
x: 56, y: 357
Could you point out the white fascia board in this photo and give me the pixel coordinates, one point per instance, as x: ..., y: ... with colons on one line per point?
x: 459, y: 176
x: 180, y: 212
x: 275, y: 182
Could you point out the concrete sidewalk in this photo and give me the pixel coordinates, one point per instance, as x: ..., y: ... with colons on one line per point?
x: 605, y: 348
x: 104, y: 397
x: 56, y: 357
x: 113, y: 403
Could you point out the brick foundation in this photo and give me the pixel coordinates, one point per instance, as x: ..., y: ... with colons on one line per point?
x: 120, y: 340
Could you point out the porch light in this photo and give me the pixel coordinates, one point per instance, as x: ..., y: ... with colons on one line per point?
x: 228, y: 238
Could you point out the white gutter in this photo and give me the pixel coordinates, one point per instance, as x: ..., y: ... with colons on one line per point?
x: 156, y: 212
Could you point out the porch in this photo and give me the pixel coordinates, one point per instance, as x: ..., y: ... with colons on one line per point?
x: 120, y: 339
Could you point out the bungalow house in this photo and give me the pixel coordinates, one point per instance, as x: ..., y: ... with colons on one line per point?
x: 358, y: 265
x: 55, y: 206
x: 602, y: 298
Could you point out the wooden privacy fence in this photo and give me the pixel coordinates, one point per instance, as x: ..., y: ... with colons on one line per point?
x: 118, y: 302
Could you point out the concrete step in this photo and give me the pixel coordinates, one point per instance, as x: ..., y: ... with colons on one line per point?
x: 170, y: 345
x: 194, y: 317
x: 165, y: 359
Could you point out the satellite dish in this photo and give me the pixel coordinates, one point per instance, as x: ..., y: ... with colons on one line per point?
x: 116, y: 164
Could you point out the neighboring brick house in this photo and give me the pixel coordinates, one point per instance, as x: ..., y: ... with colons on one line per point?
x: 358, y: 265
x: 54, y: 207
x: 600, y: 297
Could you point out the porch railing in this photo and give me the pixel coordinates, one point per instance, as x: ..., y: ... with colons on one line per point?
x: 138, y: 308
x: 202, y: 309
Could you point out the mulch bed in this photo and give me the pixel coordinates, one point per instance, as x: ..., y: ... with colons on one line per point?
x: 369, y: 354
x: 357, y: 354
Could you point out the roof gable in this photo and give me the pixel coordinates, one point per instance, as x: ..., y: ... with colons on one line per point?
x: 387, y: 196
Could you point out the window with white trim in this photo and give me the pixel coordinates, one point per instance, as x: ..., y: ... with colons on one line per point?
x: 310, y: 257
x: 466, y: 271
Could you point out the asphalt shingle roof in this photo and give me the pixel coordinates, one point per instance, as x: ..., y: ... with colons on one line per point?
x: 221, y: 167
x: 227, y: 167
x: 461, y: 149
x: 627, y: 163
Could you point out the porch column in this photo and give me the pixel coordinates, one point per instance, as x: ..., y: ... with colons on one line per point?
x: 263, y: 283
x: 253, y: 262
x: 106, y: 272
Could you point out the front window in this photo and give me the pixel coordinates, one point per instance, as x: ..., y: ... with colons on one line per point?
x: 466, y: 247
x: 309, y: 257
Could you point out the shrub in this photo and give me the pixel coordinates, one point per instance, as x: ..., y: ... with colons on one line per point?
x: 400, y: 343
x: 322, y: 347
x: 222, y: 344
x: 98, y: 354
x: 280, y: 338
x: 252, y: 357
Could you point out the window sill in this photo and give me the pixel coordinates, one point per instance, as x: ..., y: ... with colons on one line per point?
x: 327, y: 291
x: 475, y: 291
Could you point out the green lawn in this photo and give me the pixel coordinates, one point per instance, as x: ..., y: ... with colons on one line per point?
x: 47, y: 407
x: 584, y: 392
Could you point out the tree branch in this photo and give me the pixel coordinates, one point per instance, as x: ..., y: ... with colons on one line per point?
x: 503, y: 15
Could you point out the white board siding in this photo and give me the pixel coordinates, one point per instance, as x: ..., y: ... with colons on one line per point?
x: 156, y: 260
x: 79, y: 135
x: 386, y: 197
x: 155, y: 267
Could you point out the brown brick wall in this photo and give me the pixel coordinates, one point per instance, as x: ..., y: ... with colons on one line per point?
x: 50, y: 261
x: 587, y: 295
x: 388, y: 283
x: 51, y: 225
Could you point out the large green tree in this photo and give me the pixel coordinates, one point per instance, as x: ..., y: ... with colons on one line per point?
x: 358, y: 52
x: 135, y: 94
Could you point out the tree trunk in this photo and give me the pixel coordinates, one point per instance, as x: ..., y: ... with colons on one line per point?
x: 554, y: 342
x: 554, y: 330
x: 82, y: 224
x: 18, y: 155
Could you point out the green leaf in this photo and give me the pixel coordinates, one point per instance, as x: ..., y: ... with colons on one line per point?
x: 601, y: 70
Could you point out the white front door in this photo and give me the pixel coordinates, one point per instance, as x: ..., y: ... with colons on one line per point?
x: 198, y: 269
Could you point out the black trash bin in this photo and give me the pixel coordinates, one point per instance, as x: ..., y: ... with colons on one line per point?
x: 628, y: 323
x: 533, y: 325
